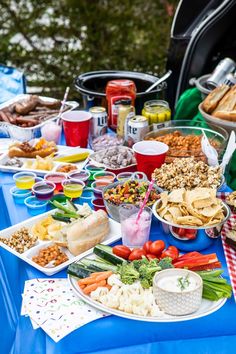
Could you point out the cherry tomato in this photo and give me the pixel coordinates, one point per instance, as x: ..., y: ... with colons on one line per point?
x: 157, y: 247
x: 171, y: 252
x: 180, y: 231
x: 121, y: 251
x: 137, y: 253
x: 191, y: 234
x: 146, y: 246
x: 151, y: 256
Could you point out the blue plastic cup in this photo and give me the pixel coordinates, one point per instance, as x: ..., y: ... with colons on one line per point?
x: 19, y: 195
x: 35, y: 206
x: 86, y: 197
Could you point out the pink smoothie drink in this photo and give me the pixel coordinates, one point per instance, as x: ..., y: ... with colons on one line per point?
x: 135, y: 234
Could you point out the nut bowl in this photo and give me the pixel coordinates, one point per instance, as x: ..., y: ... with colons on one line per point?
x: 215, y: 133
x: 112, y: 209
x: 191, y: 238
x: 175, y: 300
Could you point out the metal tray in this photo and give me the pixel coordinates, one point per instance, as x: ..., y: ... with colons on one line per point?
x: 8, y: 130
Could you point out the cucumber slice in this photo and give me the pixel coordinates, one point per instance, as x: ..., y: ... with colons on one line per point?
x: 105, y: 252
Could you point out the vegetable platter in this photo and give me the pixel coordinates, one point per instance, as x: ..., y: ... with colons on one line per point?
x: 119, y: 280
x: 54, y: 234
x: 48, y: 164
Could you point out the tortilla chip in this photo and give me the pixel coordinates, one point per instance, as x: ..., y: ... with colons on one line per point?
x: 189, y: 220
x: 202, y: 203
x: 164, y: 201
x: 175, y: 212
x: 176, y: 196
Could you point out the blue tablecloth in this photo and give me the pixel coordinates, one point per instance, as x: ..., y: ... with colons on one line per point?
x: 215, y: 333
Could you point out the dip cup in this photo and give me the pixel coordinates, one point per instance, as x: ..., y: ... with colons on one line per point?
x: 149, y: 155
x: 73, y: 188
x: 35, y: 206
x: 43, y: 190
x: 124, y: 176
x: 98, y: 187
x: 98, y: 204
x: 24, y: 180
x: 105, y: 175
x: 80, y: 175
x: 57, y: 178
x: 134, y: 234
x: 76, y: 127
x: 19, y: 195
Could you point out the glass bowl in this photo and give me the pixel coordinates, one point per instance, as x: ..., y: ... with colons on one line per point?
x: 216, y: 134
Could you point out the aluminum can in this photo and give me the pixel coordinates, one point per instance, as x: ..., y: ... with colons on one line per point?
x: 138, y: 127
x: 230, y: 80
x: 98, y: 123
x: 224, y: 67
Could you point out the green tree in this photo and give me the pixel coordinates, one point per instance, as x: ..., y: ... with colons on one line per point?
x: 54, y: 41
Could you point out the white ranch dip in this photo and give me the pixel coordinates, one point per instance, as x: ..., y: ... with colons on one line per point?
x: 178, y: 283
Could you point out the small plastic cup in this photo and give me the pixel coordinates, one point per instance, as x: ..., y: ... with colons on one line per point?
x: 76, y: 127
x: 80, y: 175
x: 149, y: 155
x: 123, y: 176
x: 43, y: 190
x: 24, y: 180
x: 98, y: 204
x: 86, y: 197
x: 134, y: 234
x: 98, y: 187
x: 106, y: 175
x: 19, y: 195
x: 73, y: 188
x: 38, y: 179
x: 57, y: 178
x: 35, y: 206
x: 93, y: 169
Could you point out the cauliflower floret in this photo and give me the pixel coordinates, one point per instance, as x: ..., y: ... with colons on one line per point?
x: 100, y: 291
x: 114, y: 279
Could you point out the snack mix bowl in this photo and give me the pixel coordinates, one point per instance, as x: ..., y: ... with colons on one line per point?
x: 191, y: 238
x: 178, y: 292
x: 112, y: 209
x: 214, y: 132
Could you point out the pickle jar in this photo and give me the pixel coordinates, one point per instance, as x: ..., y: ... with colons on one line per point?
x: 157, y: 111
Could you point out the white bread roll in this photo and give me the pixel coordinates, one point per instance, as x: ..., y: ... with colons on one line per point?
x: 213, y: 99
x: 86, y: 233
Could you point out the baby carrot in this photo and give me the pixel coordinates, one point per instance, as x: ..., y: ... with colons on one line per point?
x: 88, y: 289
x: 82, y: 286
x: 86, y: 281
x: 103, y: 276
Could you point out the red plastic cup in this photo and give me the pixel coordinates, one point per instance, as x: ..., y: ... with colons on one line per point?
x: 98, y: 204
x: 76, y: 127
x: 149, y: 155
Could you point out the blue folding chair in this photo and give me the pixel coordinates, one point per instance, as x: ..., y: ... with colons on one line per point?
x: 12, y: 83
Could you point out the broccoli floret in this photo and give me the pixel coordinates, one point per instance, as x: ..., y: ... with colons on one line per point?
x: 138, y: 262
x: 166, y: 263
x: 145, y: 283
x: 147, y: 272
x: 128, y: 274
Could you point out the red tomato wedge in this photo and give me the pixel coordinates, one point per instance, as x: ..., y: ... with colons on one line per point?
x: 121, y: 251
x: 171, y: 252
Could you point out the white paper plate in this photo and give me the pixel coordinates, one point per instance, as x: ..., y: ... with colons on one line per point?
x: 207, y: 307
x: 114, y: 235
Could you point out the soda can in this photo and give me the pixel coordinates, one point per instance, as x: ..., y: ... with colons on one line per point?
x: 138, y: 127
x: 224, y: 67
x: 230, y: 80
x: 98, y: 124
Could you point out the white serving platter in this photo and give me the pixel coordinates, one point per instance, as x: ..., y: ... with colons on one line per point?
x: 207, y: 307
x: 62, y: 151
x: 114, y: 235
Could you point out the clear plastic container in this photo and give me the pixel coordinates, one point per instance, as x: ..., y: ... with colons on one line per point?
x: 35, y: 206
x: 19, y: 195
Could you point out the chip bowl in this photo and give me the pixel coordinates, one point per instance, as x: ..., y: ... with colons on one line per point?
x: 202, y: 236
x: 112, y: 209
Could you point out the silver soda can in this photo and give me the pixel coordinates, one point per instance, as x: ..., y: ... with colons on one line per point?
x: 230, y: 80
x: 138, y: 127
x: 224, y: 67
x: 98, y: 123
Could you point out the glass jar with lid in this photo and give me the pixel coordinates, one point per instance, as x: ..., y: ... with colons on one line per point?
x: 157, y: 111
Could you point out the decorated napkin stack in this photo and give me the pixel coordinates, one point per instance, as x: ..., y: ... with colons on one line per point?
x: 51, y: 305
